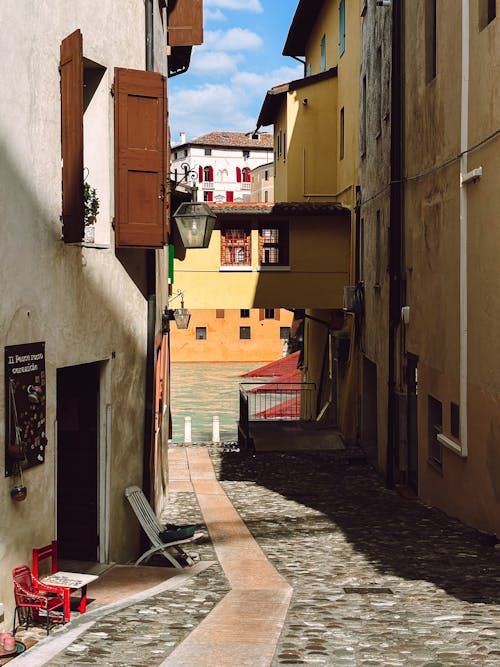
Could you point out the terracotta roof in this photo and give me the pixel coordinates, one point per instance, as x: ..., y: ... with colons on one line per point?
x: 282, y: 366
x: 232, y: 139
x: 279, y: 208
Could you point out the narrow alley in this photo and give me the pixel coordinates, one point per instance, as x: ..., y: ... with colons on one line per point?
x: 310, y: 561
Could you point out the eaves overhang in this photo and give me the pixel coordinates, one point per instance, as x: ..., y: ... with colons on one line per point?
x: 178, y: 60
x: 306, y: 15
x: 280, y: 209
x: 276, y: 96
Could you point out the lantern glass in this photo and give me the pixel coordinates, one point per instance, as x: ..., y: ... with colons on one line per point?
x: 182, y: 317
x: 195, y: 222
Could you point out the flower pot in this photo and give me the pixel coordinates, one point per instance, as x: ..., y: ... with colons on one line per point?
x: 16, y: 452
x: 18, y: 493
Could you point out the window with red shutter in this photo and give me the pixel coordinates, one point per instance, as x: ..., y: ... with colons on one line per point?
x: 246, y: 175
x: 200, y: 174
x: 229, y: 195
x: 141, y: 159
x: 238, y: 175
x: 72, y: 137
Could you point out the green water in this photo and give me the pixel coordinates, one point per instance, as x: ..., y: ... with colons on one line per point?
x: 201, y: 391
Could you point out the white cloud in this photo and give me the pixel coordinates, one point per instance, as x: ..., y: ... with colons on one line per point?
x: 244, y: 5
x: 263, y: 82
x: 214, y: 63
x: 207, y: 108
x: 235, y: 39
x: 213, y: 15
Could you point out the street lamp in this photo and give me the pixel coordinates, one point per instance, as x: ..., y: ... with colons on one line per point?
x: 195, y: 220
x: 180, y: 315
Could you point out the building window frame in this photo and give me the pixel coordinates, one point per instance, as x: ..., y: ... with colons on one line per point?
x: 274, y: 244
x: 245, y: 333
x: 201, y: 333
x: 236, y: 246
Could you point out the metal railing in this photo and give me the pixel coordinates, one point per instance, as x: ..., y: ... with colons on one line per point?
x: 276, y: 401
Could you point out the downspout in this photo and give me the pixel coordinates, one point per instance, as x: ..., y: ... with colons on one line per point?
x: 151, y: 304
x: 464, y: 139
x: 396, y: 225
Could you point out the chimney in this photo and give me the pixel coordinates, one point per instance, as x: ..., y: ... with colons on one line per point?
x: 183, y: 137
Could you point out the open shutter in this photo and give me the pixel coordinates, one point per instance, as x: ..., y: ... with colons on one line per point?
x: 185, y: 22
x: 141, y: 159
x: 200, y: 174
x: 72, y: 137
x: 238, y: 175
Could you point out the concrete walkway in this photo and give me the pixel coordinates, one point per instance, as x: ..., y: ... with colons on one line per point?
x: 258, y: 594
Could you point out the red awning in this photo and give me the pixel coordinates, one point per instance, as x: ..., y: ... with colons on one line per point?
x: 284, y: 366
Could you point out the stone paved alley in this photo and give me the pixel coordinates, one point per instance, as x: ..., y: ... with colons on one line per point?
x: 376, y: 579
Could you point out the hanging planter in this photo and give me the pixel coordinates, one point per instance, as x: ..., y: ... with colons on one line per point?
x: 18, y: 491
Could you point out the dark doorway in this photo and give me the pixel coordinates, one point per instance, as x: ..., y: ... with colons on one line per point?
x: 412, y: 383
x: 77, y: 461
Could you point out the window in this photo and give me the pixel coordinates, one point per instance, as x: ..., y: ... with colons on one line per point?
x: 284, y: 146
x: 208, y: 151
x: 245, y: 333
x: 236, y: 246
x: 244, y: 312
x: 273, y: 245
x: 323, y: 53
x: 245, y: 173
x: 341, y: 27
x: 201, y: 333
x: 341, y: 134
x: 266, y: 196
x: 285, y: 333
x: 487, y: 12
x: 430, y: 40
x: 185, y: 152
x: 238, y: 175
x: 246, y: 155
x: 229, y: 195
x: 435, y: 421
x: 269, y: 313
x: 208, y: 195
x: 455, y: 420
x: 266, y: 175
x: 208, y: 174
x: 219, y: 313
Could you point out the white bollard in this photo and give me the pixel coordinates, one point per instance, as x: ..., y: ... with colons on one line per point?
x: 187, y: 429
x: 215, y: 431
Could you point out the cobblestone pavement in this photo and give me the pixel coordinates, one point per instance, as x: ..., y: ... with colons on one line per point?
x: 378, y: 580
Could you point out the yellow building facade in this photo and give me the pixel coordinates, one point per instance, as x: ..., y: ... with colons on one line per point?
x: 316, y: 124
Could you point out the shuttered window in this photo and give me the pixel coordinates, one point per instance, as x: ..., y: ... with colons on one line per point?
x: 141, y: 159
x: 236, y: 247
x: 72, y: 137
x: 185, y: 22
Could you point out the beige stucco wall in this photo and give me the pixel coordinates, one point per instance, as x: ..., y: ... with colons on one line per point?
x: 316, y: 275
x: 468, y: 488
x: 223, y: 341
x: 83, y: 302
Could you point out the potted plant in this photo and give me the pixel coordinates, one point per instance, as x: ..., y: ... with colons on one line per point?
x: 90, y: 210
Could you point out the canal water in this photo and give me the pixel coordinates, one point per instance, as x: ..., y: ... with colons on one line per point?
x: 202, y: 390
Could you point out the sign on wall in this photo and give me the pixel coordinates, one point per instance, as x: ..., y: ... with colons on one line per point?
x: 25, y: 407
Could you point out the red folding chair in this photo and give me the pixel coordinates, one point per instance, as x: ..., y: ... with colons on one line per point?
x: 32, y: 596
x: 38, y: 555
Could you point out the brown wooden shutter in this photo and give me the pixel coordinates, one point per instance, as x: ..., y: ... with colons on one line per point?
x: 141, y: 159
x: 262, y: 313
x: 185, y: 23
x: 72, y: 137
x: 276, y: 313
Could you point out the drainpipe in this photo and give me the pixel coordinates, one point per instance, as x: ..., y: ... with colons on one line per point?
x: 149, y: 35
x: 151, y: 300
x: 396, y: 226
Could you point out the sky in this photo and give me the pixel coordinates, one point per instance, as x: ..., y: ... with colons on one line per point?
x: 230, y: 73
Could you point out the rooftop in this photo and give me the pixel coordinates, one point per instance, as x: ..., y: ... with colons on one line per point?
x: 232, y: 140
x: 279, y: 208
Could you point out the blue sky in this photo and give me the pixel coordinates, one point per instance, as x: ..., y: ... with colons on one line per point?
x: 240, y: 59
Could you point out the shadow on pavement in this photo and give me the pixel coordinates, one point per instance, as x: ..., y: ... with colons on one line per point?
x: 401, y: 537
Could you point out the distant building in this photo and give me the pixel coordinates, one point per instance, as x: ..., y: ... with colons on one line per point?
x: 262, y: 183
x: 222, y: 163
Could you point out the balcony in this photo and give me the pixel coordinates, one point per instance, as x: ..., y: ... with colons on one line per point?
x: 208, y: 185
x: 246, y: 186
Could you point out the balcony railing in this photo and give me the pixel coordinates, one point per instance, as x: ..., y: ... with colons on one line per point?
x: 246, y: 186
x: 208, y: 185
x: 276, y: 401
